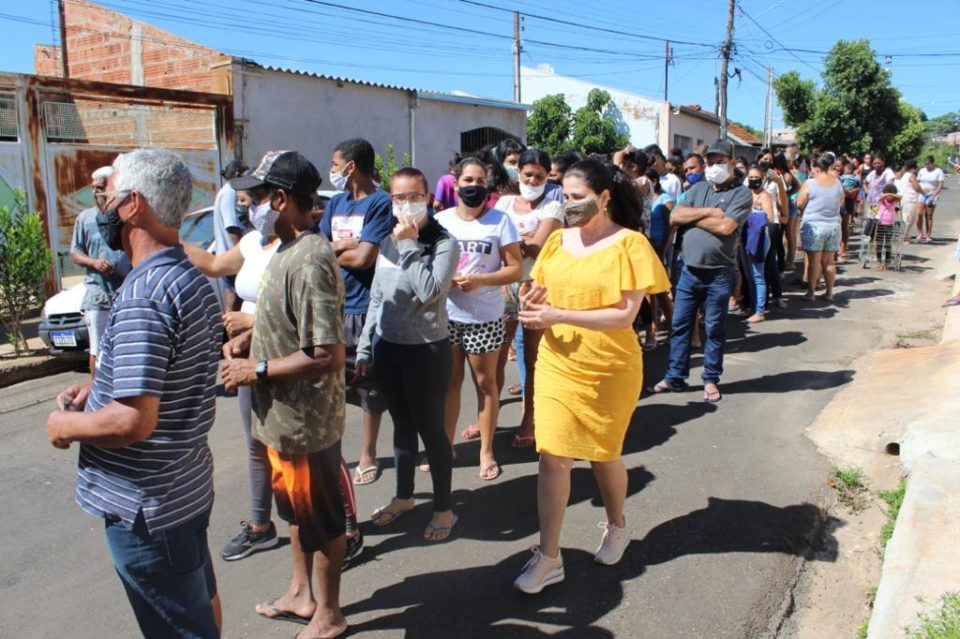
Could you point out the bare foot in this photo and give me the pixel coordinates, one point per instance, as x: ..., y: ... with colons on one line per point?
x: 385, y: 515
x: 286, y: 605
x: 327, y: 623
x: 809, y: 297
x: 753, y: 319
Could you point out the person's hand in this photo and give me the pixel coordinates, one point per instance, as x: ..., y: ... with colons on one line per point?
x: 465, y: 283
x: 538, y: 315
x: 238, y: 346
x: 360, y: 370
x: 347, y: 244
x: 532, y: 294
x: 103, y: 266
x: 74, y: 398
x: 236, y: 322
x: 406, y: 229
x: 238, y: 372
x: 54, y: 429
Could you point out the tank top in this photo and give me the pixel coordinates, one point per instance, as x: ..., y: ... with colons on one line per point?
x: 823, y: 204
x: 905, y: 188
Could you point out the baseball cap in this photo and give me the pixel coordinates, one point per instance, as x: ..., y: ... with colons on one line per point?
x: 287, y: 170
x: 721, y: 147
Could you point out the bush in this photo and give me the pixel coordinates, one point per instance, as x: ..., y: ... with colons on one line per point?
x: 384, y: 167
x: 24, y: 261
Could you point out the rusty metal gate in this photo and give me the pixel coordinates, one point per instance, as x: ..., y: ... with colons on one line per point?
x: 54, y: 134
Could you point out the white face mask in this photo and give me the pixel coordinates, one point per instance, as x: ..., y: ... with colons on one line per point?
x: 264, y: 218
x: 513, y: 171
x: 338, y: 180
x: 410, y: 211
x: 717, y: 173
x: 531, y: 193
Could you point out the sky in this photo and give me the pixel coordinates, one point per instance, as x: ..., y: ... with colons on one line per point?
x: 466, y: 46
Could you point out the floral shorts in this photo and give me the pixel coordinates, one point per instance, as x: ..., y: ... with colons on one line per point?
x: 477, y: 339
x: 511, y: 301
x: 817, y: 236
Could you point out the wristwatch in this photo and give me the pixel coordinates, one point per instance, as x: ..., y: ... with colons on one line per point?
x: 261, y: 370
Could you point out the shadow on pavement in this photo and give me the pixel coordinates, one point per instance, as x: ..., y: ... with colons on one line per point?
x: 790, y: 381
x: 756, y: 342
x: 653, y: 425
x: 480, y: 602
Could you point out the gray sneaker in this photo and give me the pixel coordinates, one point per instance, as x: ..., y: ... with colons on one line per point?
x: 249, y: 542
x: 541, y: 571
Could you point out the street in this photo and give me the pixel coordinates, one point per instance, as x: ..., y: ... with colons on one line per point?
x: 723, y: 499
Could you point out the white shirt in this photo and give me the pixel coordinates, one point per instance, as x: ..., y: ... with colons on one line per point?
x: 929, y: 179
x: 904, y: 187
x: 480, y: 243
x: 874, y: 183
x: 255, y: 261
x: 224, y: 217
x: 671, y: 185
x: 528, y: 223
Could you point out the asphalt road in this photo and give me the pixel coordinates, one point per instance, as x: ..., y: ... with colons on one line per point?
x: 722, y: 503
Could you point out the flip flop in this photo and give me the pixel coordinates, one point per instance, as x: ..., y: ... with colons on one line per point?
x: 713, y: 396
x: 431, y: 530
x: 494, y: 468
x: 515, y: 389
x: 950, y: 302
x: 364, y: 476
x: 282, y: 615
x: 649, y: 345
x: 523, y: 441
x: 661, y: 387
x: 381, y: 513
x: 470, y: 432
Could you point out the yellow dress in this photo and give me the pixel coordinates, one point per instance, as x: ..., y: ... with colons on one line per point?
x: 587, y: 382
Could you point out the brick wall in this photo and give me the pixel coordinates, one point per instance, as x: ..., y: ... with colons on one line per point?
x: 108, y: 46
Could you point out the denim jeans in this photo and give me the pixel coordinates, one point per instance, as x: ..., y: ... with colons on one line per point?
x: 757, y: 279
x: 711, y: 289
x: 168, y: 577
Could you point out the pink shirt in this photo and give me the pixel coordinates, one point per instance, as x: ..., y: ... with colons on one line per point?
x: 888, y: 211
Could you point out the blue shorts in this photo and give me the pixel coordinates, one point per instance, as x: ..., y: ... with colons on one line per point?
x: 816, y: 236
x: 168, y: 576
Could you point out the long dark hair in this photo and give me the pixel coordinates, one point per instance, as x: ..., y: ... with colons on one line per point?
x: 626, y: 201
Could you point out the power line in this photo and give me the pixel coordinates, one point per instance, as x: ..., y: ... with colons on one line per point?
x: 759, y: 26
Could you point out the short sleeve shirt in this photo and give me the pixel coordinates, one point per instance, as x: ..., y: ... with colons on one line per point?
x: 929, y: 179
x: 481, y: 242
x: 703, y: 249
x: 528, y: 223
x: 300, y: 306
x: 225, y: 218
x: 88, y: 240
x: 369, y: 219
x: 162, y: 340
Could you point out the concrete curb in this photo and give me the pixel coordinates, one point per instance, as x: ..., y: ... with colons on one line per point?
x: 27, y: 368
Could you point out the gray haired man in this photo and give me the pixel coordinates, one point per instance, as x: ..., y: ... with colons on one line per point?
x: 145, y: 467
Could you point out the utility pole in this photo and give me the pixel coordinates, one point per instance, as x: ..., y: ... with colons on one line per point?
x: 666, y: 72
x: 516, y: 56
x: 726, y: 51
x: 768, y: 112
x: 64, y: 58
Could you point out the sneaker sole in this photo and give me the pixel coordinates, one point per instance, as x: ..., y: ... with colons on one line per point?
x: 549, y: 581
x: 263, y: 545
x: 598, y: 560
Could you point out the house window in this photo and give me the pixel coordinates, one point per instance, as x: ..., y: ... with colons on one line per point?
x: 699, y: 142
x: 8, y: 118
x: 683, y: 142
x: 474, y: 140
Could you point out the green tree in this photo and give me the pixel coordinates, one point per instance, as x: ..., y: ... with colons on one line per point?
x: 909, y: 142
x: 384, y: 167
x: 594, y: 130
x: 796, y: 97
x: 942, y: 124
x: 856, y: 109
x: 24, y: 261
x: 549, y: 124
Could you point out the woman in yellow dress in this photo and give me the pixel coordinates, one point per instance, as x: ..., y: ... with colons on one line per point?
x: 589, y: 281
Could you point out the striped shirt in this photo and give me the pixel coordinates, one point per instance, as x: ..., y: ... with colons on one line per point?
x: 162, y: 340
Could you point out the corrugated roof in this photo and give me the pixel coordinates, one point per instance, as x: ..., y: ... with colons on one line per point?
x: 330, y: 77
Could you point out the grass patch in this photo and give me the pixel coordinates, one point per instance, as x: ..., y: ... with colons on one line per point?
x: 848, y: 482
x: 894, y: 499
x: 943, y: 622
x: 862, y: 631
x: 927, y: 335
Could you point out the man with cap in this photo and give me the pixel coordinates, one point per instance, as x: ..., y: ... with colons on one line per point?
x: 711, y: 216
x: 228, y: 228
x: 295, y: 368
x: 105, y: 266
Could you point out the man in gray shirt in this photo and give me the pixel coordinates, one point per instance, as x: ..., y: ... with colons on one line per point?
x: 711, y: 217
x: 105, y: 267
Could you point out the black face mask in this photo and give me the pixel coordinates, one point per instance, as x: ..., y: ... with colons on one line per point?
x: 243, y: 214
x: 472, y: 195
x: 765, y: 166
x: 110, y: 226
x: 755, y: 183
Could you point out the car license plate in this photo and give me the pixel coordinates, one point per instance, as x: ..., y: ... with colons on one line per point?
x: 64, y: 338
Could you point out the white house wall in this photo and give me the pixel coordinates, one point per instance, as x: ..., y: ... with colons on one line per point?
x: 699, y: 131
x: 640, y: 114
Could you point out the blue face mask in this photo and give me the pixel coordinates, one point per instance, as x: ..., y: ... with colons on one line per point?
x: 693, y: 178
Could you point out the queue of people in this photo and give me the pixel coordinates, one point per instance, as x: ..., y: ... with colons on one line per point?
x: 394, y: 291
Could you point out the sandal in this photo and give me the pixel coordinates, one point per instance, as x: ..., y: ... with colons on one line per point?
x: 661, y: 387
x: 712, y: 396
x: 523, y: 441
x: 490, y: 472
x: 277, y: 614
x: 470, y: 432
x: 430, y: 533
x: 649, y: 344
x: 515, y: 389
x: 364, y: 476
x: 384, y: 513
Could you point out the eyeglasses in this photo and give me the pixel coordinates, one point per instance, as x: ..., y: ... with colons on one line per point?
x: 413, y: 198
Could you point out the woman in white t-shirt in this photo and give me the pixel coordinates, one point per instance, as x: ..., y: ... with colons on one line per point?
x: 248, y: 260
x: 931, y: 182
x: 910, y: 190
x: 535, y: 218
x: 489, y: 259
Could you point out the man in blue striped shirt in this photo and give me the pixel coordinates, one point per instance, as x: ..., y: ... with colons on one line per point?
x: 142, y: 425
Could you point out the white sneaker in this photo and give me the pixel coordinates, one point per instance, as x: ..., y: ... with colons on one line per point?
x: 613, y: 545
x: 541, y: 571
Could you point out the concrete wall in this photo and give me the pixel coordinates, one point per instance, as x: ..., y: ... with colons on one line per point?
x: 640, y: 115
x: 439, y: 125
x: 699, y: 131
